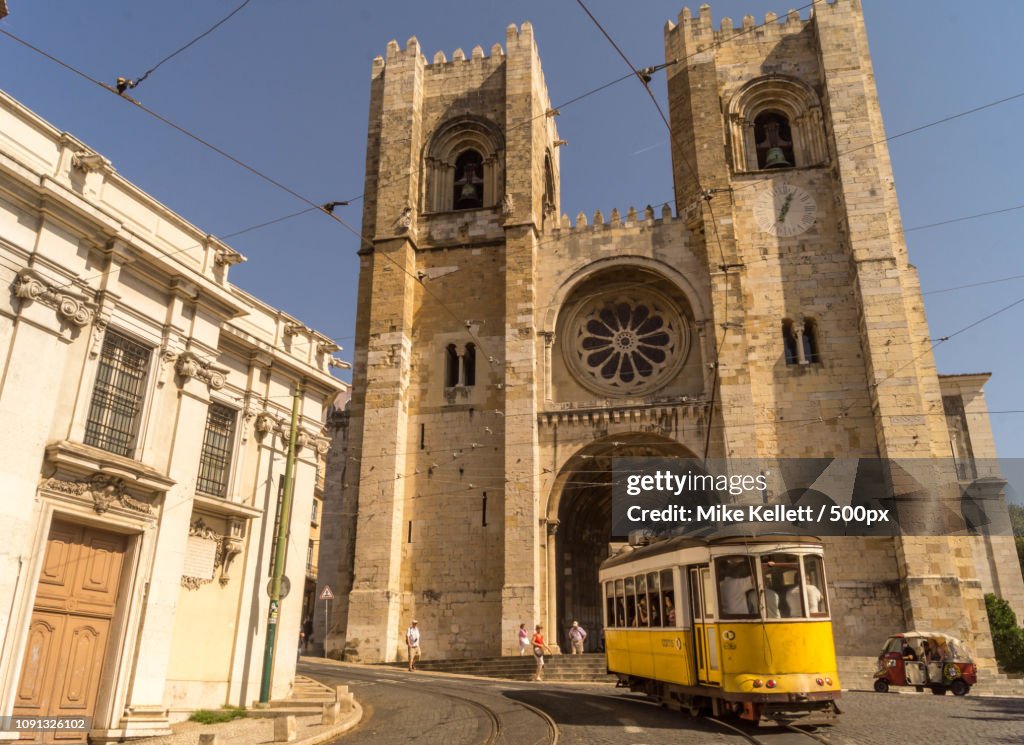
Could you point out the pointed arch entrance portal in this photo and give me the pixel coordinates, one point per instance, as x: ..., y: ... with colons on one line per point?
x: 580, y: 530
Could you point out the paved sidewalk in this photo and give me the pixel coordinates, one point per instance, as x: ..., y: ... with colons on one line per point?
x: 257, y: 728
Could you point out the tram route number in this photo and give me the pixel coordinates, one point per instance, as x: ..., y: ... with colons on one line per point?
x: 851, y: 514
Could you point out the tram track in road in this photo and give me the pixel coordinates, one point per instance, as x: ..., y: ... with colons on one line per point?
x: 791, y: 734
x: 434, y: 687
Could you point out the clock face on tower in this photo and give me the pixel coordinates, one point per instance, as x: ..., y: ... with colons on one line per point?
x: 785, y: 210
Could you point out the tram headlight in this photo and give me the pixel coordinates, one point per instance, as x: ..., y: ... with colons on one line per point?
x: 758, y: 683
x: 820, y: 681
x: 828, y: 681
x: 770, y: 684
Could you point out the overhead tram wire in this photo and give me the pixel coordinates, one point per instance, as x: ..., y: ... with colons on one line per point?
x: 124, y: 84
x: 326, y: 209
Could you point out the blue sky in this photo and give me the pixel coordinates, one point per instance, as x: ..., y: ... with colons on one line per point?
x: 284, y: 87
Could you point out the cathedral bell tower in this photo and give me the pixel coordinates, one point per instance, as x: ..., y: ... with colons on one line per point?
x: 781, y: 167
x: 461, y: 178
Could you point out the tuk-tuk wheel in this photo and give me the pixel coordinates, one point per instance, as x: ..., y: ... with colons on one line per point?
x: 882, y: 686
x: 959, y: 688
x: 939, y: 690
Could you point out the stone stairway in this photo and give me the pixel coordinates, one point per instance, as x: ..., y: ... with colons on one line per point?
x: 308, y: 697
x: 586, y: 667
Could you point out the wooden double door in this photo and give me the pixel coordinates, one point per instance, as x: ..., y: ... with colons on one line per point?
x: 70, y: 628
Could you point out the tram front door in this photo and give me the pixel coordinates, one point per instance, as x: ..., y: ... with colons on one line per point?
x: 705, y: 630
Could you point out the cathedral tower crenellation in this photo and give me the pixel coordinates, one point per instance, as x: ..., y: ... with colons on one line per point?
x: 489, y: 398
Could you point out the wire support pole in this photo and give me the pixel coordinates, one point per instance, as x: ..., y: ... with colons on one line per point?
x: 279, y: 554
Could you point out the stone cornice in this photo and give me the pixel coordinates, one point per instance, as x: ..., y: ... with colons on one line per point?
x: 93, y: 462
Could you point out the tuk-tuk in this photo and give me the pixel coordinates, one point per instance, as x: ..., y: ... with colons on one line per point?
x: 926, y: 660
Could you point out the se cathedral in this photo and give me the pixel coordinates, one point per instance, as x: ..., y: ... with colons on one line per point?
x: 504, y: 354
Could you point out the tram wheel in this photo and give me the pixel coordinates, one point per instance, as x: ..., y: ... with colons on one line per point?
x: 959, y: 687
x: 939, y: 690
x: 882, y: 686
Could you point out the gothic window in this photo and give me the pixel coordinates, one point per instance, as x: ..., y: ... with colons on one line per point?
x: 810, y: 341
x: 463, y: 166
x: 800, y: 342
x: 789, y: 343
x: 460, y: 367
x: 469, y: 191
x: 469, y: 365
x: 549, y: 184
x: 451, y: 366
x: 775, y: 122
x: 959, y: 437
x: 116, y: 406
x: 774, y: 141
x: 218, y: 445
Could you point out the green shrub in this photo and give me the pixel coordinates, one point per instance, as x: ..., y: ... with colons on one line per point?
x: 224, y: 714
x: 1007, y: 636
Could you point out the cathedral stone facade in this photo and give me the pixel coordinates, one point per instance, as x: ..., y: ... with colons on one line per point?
x: 504, y: 353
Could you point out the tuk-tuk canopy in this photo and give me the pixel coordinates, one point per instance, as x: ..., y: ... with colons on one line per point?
x: 949, y: 647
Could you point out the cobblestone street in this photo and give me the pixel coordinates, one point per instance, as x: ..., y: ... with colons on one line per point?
x: 433, y: 708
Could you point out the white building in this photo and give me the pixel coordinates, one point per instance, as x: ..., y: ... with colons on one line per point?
x: 145, y: 404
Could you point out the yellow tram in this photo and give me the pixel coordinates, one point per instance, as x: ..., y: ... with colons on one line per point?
x: 727, y: 622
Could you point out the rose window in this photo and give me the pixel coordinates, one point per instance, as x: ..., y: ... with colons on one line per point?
x: 626, y: 345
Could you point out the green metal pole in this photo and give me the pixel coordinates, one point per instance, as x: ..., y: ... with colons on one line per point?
x: 278, y: 558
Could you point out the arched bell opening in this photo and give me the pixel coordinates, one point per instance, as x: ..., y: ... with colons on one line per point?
x: 580, y: 533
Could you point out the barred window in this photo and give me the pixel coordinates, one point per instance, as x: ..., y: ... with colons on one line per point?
x: 315, y: 518
x: 309, y: 558
x: 215, y: 461
x: 113, y: 422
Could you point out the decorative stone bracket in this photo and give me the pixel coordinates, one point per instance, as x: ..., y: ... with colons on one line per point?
x: 190, y: 365
x: 71, y: 307
x: 102, y: 491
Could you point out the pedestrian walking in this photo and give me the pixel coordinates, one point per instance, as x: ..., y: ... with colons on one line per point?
x: 577, y: 635
x: 524, y: 639
x: 307, y: 630
x: 412, y: 641
x: 539, y: 648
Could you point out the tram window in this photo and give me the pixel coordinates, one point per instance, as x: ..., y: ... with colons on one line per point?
x: 817, y: 599
x: 643, y: 616
x: 708, y: 591
x: 653, y: 598
x: 620, y: 604
x: 631, y: 601
x: 783, y: 593
x: 695, y: 594
x: 668, y: 599
x: 609, y: 594
x: 737, y: 587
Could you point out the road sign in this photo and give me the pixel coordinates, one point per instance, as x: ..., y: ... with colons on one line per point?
x: 286, y: 586
x: 326, y: 593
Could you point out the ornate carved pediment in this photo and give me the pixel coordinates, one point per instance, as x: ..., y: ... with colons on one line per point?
x: 191, y: 365
x: 102, y: 491
x: 71, y: 307
x: 226, y: 548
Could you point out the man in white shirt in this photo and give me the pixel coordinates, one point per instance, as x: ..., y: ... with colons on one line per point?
x: 577, y: 635
x: 412, y: 641
x: 733, y: 589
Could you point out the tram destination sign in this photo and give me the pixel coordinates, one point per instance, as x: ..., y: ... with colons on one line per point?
x: 813, y: 496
